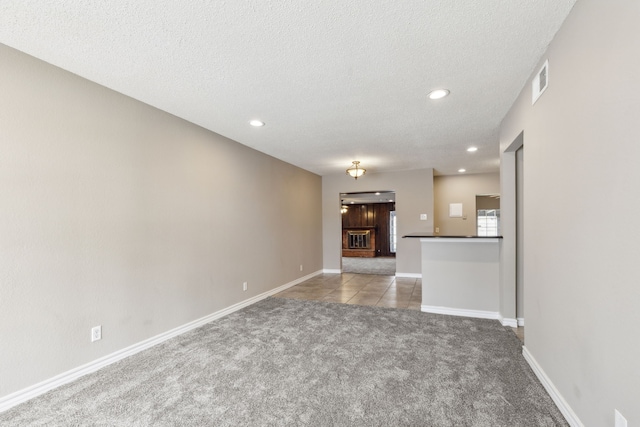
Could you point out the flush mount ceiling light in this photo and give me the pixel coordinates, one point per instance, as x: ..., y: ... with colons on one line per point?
x: 472, y: 149
x: 462, y: 170
x: 355, y: 171
x: 438, y: 93
x: 256, y: 123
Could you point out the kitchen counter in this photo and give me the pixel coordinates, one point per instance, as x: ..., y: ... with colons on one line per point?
x: 444, y: 236
x: 460, y: 274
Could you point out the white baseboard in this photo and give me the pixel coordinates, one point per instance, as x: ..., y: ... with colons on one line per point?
x: 35, y: 390
x: 506, y: 321
x: 557, y: 398
x: 460, y: 312
x: 479, y: 314
x: 331, y: 271
x: 520, y: 321
x: 413, y: 275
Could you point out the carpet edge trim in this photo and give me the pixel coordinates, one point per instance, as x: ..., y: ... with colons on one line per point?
x: 42, y: 387
x: 548, y: 385
x: 410, y: 275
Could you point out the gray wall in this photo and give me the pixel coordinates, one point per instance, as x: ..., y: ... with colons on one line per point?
x: 582, y: 273
x: 118, y: 214
x: 414, y: 196
x: 463, y: 276
x: 461, y: 189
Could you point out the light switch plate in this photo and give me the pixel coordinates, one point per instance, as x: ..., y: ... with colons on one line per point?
x: 423, y: 217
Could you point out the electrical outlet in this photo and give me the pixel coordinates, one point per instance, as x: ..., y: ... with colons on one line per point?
x: 423, y: 217
x: 437, y: 229
x: 620, y: 420
x: 300, y: 267
x: 244, y: 286
x: 96, y: 333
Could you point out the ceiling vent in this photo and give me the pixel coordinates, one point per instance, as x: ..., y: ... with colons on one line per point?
x: 540, y: 82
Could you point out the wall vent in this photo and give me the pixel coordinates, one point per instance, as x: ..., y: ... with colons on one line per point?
x: 540, y: 82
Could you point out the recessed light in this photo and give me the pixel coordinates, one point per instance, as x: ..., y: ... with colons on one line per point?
x: 472, y: 149
x: 438, y: 93
x: 377, y: 193
x: 462, y: 170
x: 256, y: 123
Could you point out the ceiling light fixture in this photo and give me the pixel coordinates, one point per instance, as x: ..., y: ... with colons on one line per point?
x: 256, y: 123
x: 438, y: 93
x: 462, y: 170
x: 355, y: 171
x: 472, y: 149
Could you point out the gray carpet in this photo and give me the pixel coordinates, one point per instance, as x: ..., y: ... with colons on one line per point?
x: 284, y: 362
x: 377, y: 265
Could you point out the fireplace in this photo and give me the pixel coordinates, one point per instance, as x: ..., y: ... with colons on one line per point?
x: 359, y: 242
x: 359, y: 239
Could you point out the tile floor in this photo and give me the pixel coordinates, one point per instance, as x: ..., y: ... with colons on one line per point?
x: 361, y: 289
x: 364, y: 289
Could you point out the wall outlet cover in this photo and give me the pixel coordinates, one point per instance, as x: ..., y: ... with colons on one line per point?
x: 96, y: 333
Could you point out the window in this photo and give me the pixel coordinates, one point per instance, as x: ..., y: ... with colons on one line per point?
x: 392, y: 232
x: 488, y: 222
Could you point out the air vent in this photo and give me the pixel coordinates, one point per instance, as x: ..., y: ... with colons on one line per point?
x: 540, y: 82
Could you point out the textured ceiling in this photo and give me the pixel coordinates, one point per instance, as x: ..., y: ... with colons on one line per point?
x: 334, y: 80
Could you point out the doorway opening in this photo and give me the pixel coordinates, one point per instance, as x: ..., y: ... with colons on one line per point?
x: 488, y: 215
x: 520, y: 236
x: 513, y: 233
x: 369, y: 236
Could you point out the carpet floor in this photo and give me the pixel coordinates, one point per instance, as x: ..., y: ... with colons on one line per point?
x: 284, y: 362
x: 378, y: 265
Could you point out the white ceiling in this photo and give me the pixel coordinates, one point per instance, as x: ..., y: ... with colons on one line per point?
x: 334, y: 80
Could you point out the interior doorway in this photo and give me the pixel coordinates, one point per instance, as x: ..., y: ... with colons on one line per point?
x: 520, y: 236
x: 369, y: 237
x: 513, y: 286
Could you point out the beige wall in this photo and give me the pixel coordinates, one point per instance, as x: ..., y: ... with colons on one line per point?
x: 581, y: 270
x: 461, y: 189
x: 114, y: 213
x: 487, y: 202
x: 414, y: 196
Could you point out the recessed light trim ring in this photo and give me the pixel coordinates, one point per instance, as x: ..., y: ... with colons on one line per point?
x: 438, y: 93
